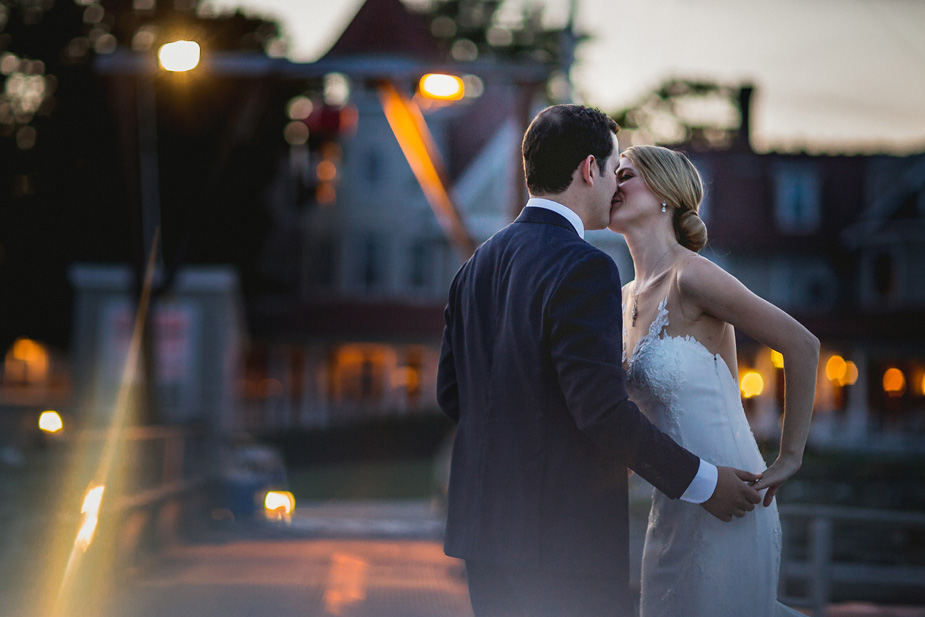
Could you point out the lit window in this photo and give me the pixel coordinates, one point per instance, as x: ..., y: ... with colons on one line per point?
x: 358, y: 373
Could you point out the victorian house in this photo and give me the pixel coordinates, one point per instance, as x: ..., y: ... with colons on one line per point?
x: 838, y: 242
x: 359, y: 243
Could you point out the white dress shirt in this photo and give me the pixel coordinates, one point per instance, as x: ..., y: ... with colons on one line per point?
x: 704, y: 483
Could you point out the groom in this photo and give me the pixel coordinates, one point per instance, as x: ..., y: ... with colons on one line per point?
x: 531, y: 373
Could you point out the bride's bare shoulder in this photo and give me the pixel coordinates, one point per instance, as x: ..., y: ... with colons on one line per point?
x: 697, y: 276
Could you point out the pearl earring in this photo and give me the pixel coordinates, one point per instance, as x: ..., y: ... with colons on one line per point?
x: 664, y: 207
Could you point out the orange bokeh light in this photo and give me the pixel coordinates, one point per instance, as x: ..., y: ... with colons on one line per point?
x: 894, y: 382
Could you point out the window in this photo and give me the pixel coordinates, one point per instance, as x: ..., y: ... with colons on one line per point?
x: 324, y: 262
x: 419, y: 271
x: 369, y: 263
x: 373, y: 168
x: 357, y: 373
x: 797, y: 198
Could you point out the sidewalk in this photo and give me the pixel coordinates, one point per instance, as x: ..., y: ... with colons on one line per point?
x: 408, y: 519
x: 864, y: 609
x: 421, y: 520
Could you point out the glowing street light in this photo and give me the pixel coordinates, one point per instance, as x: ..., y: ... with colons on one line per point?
x: 50, y: 421
x: 179, y: 56
x: 278, y: 505
x: 442, y: 87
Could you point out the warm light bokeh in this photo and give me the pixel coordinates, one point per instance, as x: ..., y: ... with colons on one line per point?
x: 851, y: 374
x: 894, y: 382
x: 26, y: 361
x: 442, y: 87
x: 326, y: 193
x: 326, y: 171
x: 777, y: 359
x: 835, y: 368
x: 50, y: 421
x: 278, y: 505
x: 751, y: 384
x: 179, y: 56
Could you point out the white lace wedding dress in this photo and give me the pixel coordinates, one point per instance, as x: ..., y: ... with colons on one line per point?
x: 693, y: 564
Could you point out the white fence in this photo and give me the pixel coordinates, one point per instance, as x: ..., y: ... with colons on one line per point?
x: 820, y: 568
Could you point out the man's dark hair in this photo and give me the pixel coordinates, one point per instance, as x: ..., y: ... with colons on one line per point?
x: 558, y: 139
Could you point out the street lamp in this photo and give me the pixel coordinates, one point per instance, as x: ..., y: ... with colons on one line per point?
x: 179, y: 56
x: 441, y: 87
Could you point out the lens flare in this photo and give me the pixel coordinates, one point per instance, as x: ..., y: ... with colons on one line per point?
x: 91, y: 516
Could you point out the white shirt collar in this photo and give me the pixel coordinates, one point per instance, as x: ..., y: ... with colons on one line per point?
x: 574, y: 219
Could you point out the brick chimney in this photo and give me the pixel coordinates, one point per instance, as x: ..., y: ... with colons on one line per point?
x: 743, y: 139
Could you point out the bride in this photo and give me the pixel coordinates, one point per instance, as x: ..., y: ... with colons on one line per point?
x: 679, y: 352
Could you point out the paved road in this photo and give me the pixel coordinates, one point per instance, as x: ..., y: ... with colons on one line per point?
x: 348, y: 559
x: 304, y: 578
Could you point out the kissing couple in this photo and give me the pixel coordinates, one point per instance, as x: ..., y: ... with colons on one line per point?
x: 559, y: 380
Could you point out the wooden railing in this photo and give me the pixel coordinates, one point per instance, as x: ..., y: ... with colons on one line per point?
x: 821, y: 568
x: 161, y: 461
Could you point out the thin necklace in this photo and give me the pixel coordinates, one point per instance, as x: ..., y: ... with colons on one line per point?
x: 635, y: 312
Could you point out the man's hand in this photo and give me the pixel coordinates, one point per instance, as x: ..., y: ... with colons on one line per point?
x: 733, y: 495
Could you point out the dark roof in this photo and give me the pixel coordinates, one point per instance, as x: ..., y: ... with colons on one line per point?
x: 386, y: 27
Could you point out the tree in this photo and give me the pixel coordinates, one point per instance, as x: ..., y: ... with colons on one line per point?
x: 471, y: 29
x: 702, y: 116
x: 65, y: 185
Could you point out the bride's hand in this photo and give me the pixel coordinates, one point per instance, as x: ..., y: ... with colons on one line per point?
x: 775, y: 476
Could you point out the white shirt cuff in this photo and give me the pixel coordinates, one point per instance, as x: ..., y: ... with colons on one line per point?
x: 702, y: 486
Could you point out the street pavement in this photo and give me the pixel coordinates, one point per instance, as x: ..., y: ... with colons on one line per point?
x: 351, y: 559
x: 418, y: 519
x: 298, y: 577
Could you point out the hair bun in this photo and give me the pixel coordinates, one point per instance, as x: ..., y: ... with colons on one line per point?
x: 691, y: 230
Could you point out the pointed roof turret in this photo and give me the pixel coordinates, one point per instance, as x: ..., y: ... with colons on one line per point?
x: 386, y: 27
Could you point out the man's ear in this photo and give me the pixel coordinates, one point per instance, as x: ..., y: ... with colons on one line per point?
x: 587, y: 169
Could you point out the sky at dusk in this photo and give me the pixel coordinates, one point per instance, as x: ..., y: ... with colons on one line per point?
x: 830, y: 75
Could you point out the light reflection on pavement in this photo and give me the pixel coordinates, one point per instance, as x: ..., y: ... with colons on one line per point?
x: 298, y: 577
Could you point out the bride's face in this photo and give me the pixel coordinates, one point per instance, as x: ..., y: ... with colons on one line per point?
x: 633, y: 203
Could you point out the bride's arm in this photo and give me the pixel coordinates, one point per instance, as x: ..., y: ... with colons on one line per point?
x: 715, y: 292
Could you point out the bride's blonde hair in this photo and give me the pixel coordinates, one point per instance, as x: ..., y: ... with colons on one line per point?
x: 676, y: 182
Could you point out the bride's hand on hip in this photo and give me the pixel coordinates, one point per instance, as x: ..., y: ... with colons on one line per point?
x: 775, y: 476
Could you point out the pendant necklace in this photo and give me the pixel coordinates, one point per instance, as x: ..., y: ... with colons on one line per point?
x: 635, y: 312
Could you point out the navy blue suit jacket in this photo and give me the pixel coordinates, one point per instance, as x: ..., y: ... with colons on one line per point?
x: 531, y: 372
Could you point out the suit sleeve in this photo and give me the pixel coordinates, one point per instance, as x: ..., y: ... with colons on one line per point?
x: 447, y: 384
x: 584, y: 326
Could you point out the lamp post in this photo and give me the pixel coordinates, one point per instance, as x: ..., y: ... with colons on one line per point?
x: 178, y: 56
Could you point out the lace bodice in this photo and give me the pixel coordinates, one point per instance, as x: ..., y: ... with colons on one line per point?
x: 683, y: 388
